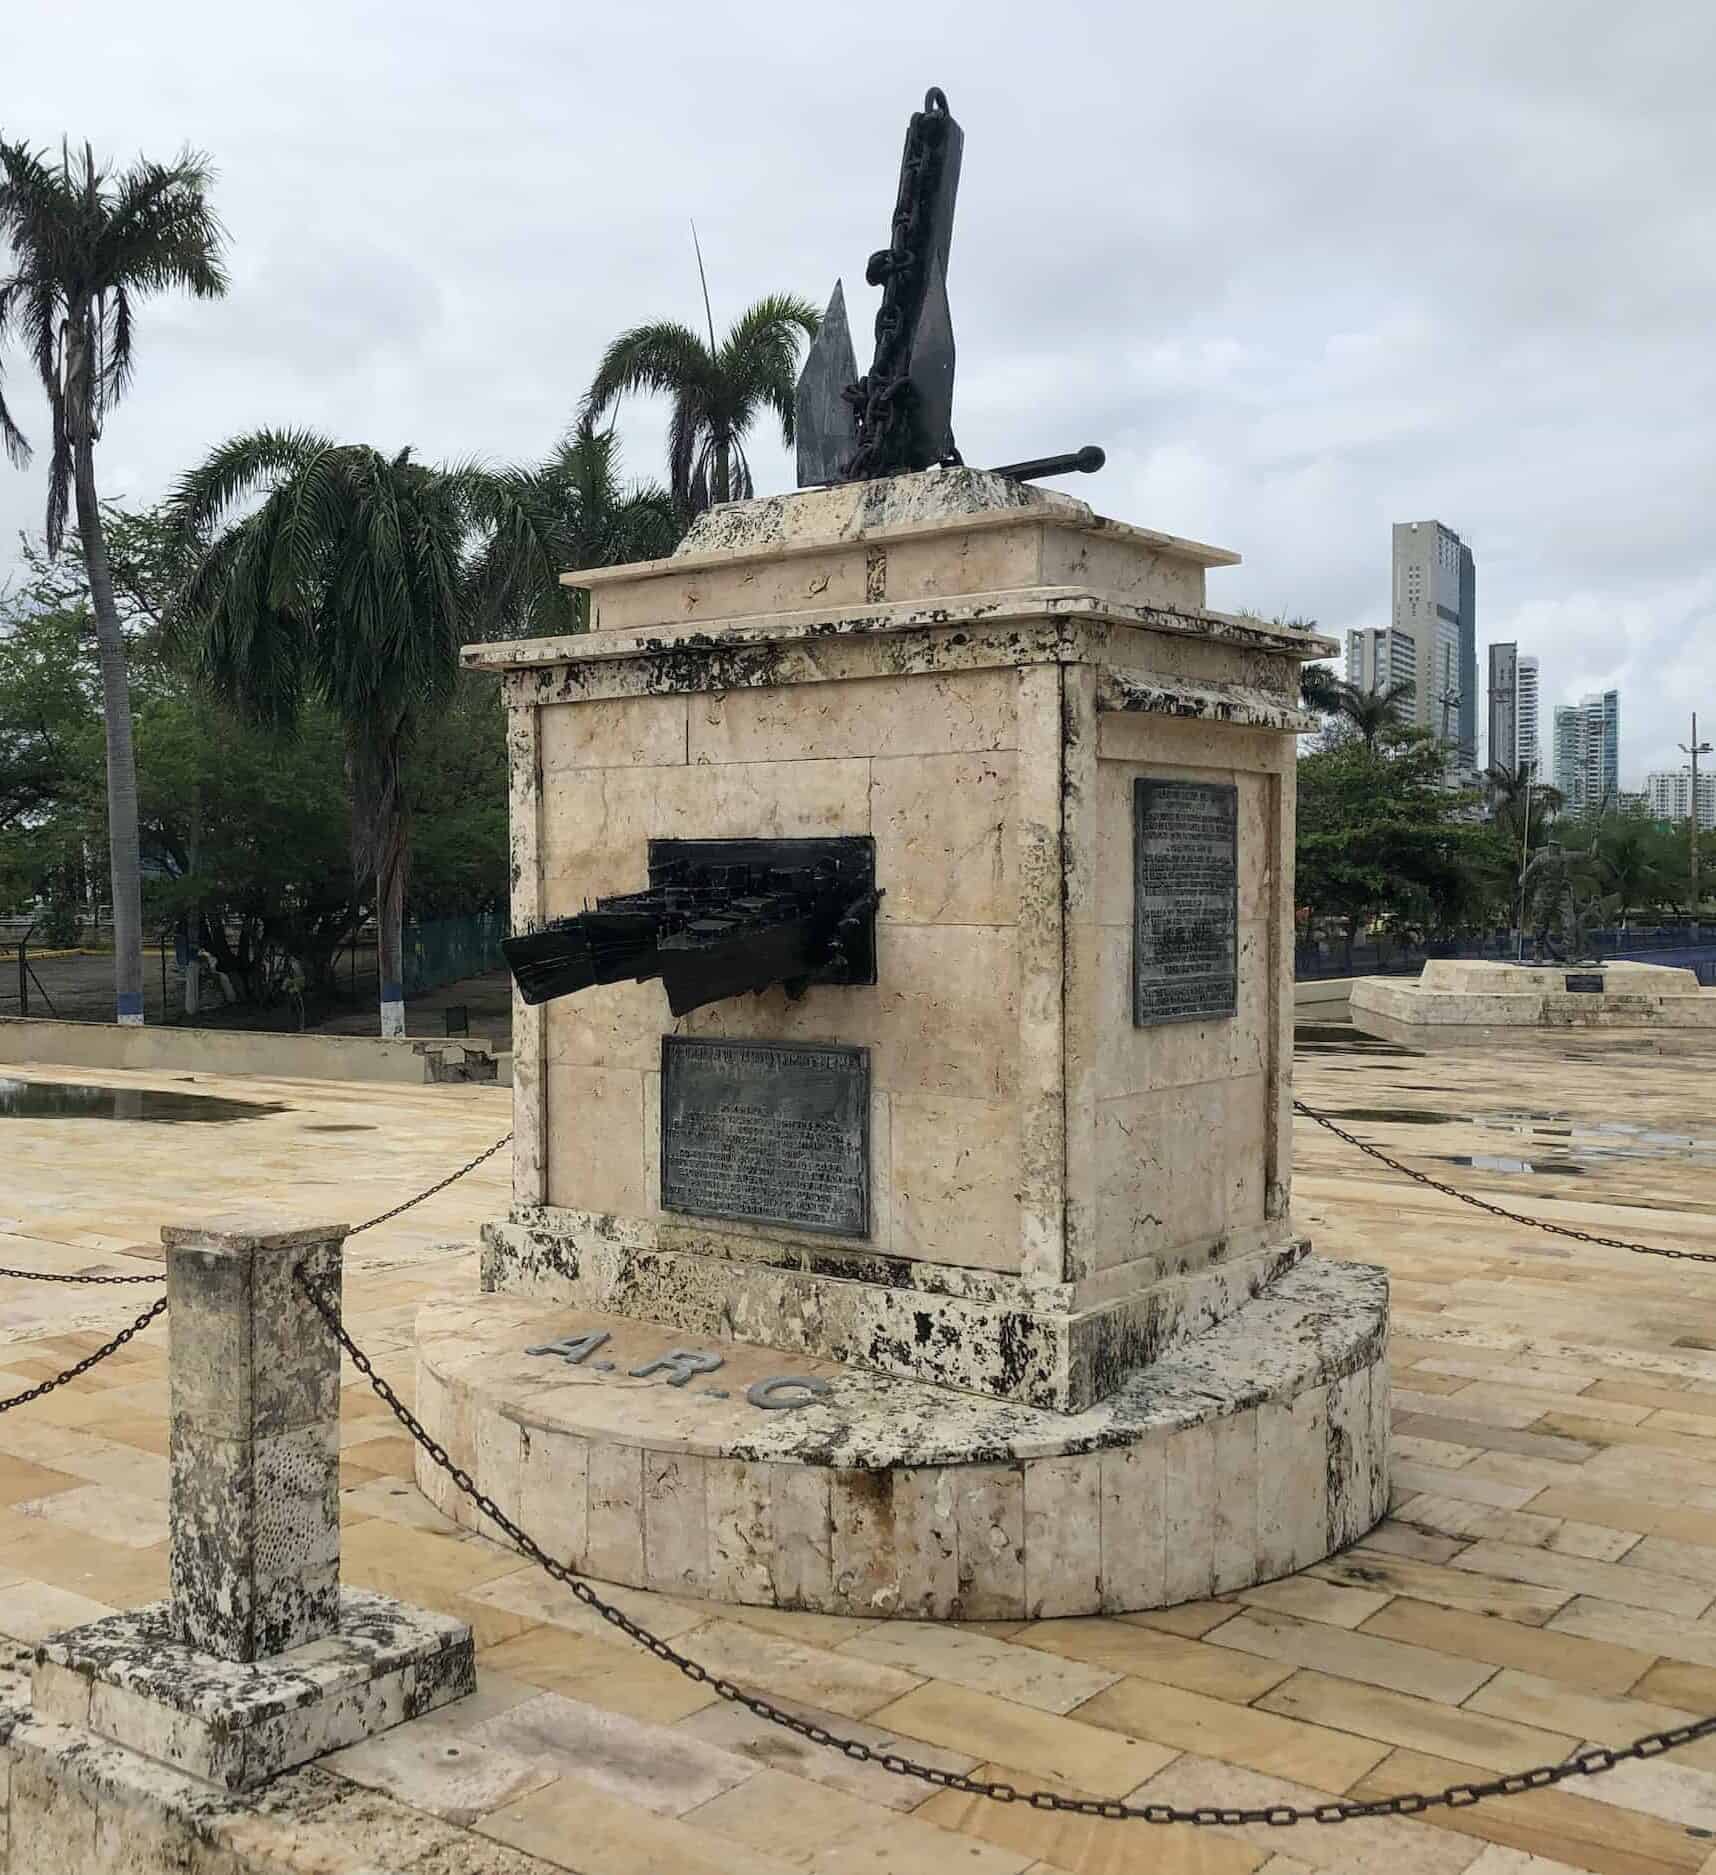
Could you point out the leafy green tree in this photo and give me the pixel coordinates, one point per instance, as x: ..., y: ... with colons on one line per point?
x: 717, y: 391
x: 1638, y: 864
x: 50, y: 758
x: 457, y: 793
x: 348, y: 584
x: 87, y: 245
x: 578, y: 509
x: 1380, y: 836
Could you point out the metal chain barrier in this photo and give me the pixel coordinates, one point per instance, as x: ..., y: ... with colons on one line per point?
x: 1496, y: 1210
x: 41, y: 1276
x: 452, y: 1178
x: 89, y: 1360
x: 1454, y: 1796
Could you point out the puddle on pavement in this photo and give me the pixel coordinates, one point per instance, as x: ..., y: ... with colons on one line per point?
x: 1489, y: 1162
x: 1341, y: 1038
x: 67, y: 1100
x: 1399, y: 1116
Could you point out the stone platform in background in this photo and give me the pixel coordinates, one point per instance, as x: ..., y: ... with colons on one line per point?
x: 1466, y: 1003
x: 1254, y: 1450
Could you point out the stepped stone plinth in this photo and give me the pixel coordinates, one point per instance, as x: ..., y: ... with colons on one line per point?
x: 864, y: 1296
x: 1463, y: 1002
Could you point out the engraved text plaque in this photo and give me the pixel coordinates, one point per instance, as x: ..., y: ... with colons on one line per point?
x: 1185, y: 919
x: 767, y: 1132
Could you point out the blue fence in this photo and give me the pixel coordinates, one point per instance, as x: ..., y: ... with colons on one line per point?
x: 1686, y: 947
x: 444, y: 950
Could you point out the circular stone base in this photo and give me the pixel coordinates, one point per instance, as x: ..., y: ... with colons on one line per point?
x: 745, y: 1474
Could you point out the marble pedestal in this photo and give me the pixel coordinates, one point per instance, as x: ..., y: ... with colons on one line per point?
x: 1068, y: 1192
x: 1468, y: 1003
x: 259, y: 1661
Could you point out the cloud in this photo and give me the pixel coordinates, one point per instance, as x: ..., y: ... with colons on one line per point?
x: 1302, y: 271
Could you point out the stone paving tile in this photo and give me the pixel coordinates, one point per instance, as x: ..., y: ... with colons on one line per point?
x: 1615, y: 1582
x: 1082, y: 1845
x: 789, y: 1817
x: 652, y: 1766
x: 1396, y: 1665
x: 735, y: 1729
x: 1148, y: 1654
x: 1312, y: 1600
x: 1262, y: 1740
x: 1591, y: 1665
x: 1439, y: 1482
x: 104, y: 1511
x: 908, y: 1846
x: 1560, y: 1824
x: 1023, y: 1673
x: 761, y: 1662
x: 1399, y: 1846
x: 1431, y: 1582
x: 574, y: 1825
x: 1103, y: 1760
x: 448, y: 1775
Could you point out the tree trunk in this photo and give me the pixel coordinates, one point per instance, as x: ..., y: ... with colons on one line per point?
x: 389, y: 925
x: 194, y: 962
x: 722, y: 491
x: 124, y: 861
x: 380, y: 855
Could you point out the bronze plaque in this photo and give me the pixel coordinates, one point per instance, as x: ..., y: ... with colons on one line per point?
x: 767, y: 1132
x: 1585, y: 985
x: 1185, y: 913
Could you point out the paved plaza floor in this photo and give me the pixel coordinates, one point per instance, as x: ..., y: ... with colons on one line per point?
x: 1548, y: 1578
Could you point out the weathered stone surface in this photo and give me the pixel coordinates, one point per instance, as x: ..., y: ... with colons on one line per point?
x: 254, y: 1402
x: 235, y: 1724
x: 1219, y: 1465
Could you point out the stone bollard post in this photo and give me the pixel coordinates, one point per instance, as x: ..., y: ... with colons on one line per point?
x: 254, y: 1437
x: 260, y: 1660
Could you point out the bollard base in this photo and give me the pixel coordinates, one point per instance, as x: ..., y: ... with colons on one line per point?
x: 236, y: 1724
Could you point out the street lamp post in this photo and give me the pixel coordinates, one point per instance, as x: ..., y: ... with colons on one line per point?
x: 1694, y: 748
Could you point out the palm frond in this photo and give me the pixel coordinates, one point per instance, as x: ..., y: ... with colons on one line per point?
x: 160, y: 231
x: 205, y: 495
x: 759, y: 360
x: 665, y: 356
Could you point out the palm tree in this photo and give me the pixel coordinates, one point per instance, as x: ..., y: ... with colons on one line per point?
x: 349, y: 584
x: 87, y: 245
x: 1627, y: 856
x: 1371, y: 712
x: 718, y: 392
x: 1320, y: 688
x: 1516, y: 793
x: 577, y: 506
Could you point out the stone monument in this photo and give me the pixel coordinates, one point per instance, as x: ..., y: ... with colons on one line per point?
x: 922, y: 1244
x: 1468, y: 1002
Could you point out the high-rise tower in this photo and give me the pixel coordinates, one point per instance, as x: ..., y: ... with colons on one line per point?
x: 1435, y: 601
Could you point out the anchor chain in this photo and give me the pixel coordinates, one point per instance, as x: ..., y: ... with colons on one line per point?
x: 880, y: 398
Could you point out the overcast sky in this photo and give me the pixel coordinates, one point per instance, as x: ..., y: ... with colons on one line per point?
x: 1302, y: 270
